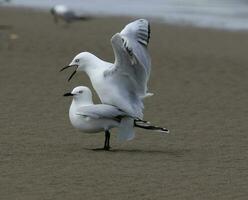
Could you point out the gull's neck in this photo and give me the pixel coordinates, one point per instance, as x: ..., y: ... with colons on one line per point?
x: 82, y: 101
x: 75, y: 105
x: 95, y: 65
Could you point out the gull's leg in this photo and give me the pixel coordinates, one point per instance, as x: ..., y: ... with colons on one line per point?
x: 107, y: 139
x: 106, y: 142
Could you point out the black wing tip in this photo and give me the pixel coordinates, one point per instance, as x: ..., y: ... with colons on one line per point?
x: 149, y: 32
x: 165, y: 130
x: 145, y: 38
x: 147, y: 125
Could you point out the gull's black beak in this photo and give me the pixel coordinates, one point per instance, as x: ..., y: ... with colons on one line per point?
x: 73, y: 73
x: 68, y: 94
x: 65, y: 68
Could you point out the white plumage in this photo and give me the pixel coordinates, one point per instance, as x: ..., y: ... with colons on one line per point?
x: 92, y: 118
x: 124, y: 82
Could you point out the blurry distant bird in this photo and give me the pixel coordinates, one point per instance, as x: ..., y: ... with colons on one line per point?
x: 64, y: 13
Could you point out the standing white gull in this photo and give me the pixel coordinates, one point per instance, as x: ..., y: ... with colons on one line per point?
x: 123, y: 83
x: 92, y: 118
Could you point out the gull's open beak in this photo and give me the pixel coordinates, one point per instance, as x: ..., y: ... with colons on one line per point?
x: 68, y: 94
x: 73, y: 73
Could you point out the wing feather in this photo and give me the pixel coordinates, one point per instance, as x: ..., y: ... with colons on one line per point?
x: 139, y: 30
x: 98, y: 111
x: 132, y: 64
x: 131, y: 55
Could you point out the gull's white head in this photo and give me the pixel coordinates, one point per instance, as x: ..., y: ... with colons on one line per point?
x: 81, y: 94
x: 81, y: 62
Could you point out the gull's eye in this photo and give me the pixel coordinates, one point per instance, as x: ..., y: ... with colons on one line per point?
x: 77, y: 60
x: 80, y: 92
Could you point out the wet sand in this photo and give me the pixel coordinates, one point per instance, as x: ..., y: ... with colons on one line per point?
x: 199, y: 77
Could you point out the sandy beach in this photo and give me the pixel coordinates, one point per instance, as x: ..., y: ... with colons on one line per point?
x: 199, y: 78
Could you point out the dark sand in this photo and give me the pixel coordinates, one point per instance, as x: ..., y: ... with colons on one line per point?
x: 200, y: 81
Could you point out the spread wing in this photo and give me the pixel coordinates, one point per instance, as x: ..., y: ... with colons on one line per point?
x: 132, y: 66
x: 132, y: 61
x: 98, y: 111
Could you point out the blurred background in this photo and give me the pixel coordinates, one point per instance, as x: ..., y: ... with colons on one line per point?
x: 199, y: 80
x: 225, y: 14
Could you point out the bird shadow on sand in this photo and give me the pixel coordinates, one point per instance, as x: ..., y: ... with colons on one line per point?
x: 172, y: 152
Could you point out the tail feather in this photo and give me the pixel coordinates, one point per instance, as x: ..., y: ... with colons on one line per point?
x: 126, y: 130
x: 141, y: 121
x: 149, y: 94
x: 146, y: 125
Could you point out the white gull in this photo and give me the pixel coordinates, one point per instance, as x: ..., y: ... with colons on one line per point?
x: 92, y: 118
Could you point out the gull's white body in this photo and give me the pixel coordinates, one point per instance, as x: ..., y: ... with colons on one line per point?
x: 86, y: 123
x: 89, y: 124
x: 109, y: 93
x: 124, y: 83
x: 93, y: 118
